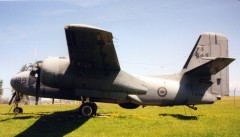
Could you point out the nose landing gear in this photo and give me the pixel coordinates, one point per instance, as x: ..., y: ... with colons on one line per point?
x: 17, y: 98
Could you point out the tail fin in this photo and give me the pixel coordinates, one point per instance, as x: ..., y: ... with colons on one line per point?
x: 210, y: 57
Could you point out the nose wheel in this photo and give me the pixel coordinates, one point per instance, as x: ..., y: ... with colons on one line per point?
x: 88, y: 109
x: 17, y: 110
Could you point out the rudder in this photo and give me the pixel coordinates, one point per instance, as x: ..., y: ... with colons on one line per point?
x: 208, y: 46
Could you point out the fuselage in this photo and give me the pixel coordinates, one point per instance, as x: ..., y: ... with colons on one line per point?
x: 59, y: 79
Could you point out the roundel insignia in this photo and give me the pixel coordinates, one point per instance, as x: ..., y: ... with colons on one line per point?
x: 162, y: 91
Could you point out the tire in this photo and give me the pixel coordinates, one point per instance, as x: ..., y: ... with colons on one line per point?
x: 21, y: 110
x: 88, y: 109
x: 94, y: 106
x: 17, y: 110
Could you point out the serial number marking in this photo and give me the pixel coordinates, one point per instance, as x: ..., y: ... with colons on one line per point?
x: 21, y: 80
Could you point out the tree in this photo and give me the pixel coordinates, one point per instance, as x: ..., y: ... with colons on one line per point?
x: 24, y: 68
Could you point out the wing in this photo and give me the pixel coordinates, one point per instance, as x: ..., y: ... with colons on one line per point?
x: 91, y: 48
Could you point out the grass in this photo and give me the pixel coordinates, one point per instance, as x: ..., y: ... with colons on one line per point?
x: 219, y: 119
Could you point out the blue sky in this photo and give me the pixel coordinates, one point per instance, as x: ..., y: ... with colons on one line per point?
x: 151, y: 36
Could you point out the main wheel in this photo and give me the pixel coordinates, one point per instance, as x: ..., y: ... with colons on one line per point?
x: 17, y: 110
x: 88, y: 109
x: 94, y: 106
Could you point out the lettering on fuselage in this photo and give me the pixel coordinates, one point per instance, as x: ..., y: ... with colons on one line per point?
x: 162, y: 91
x: 200, y: 52
x: 21, y: 80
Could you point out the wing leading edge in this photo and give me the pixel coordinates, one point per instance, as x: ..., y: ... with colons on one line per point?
x: 91, y: 48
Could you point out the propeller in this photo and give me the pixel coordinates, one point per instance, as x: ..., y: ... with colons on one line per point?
x: 38, y: 78
x: 37, y: 84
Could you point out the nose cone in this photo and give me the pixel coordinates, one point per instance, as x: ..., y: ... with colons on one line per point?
x: 20, y: 80
x: 12, y: 82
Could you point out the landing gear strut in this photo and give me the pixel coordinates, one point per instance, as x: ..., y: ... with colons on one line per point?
x: 88, y: 109
x: 192, y: 107
x: 17, y: 98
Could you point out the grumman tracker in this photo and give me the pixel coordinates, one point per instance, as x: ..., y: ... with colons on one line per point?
x: 92, y: 74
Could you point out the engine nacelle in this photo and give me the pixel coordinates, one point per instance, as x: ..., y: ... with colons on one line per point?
x: 54, y: 70
x: 128, y: 105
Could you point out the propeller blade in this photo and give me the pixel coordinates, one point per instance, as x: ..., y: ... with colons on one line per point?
x: 13, y: 96
x: 37, y: 84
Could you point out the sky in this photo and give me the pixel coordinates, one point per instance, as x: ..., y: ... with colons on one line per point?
x: 150, y: 36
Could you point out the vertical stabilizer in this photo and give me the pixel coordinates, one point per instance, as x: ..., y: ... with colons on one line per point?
x: 208, y: 47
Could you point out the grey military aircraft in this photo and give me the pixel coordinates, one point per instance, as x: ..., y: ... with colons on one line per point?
x: 92, y: 74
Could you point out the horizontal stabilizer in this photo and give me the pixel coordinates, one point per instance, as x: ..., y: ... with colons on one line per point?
x: 210, y: 68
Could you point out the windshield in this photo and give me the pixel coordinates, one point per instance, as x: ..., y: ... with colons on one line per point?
x: 34, y: 68
x: 29, y: 68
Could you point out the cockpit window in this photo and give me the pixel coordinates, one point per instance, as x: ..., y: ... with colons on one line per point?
x: 34, y: 68
x: 33, y: 73
x: 29, y: 68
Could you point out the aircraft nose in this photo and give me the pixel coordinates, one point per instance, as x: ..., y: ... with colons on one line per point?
x: 20, y: 79
x: 12, y: 82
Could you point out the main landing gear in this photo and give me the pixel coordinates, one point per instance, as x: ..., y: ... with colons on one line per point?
x: 88, y: 109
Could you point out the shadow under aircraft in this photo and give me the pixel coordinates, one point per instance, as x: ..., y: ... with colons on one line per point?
x: 57, y: 124
x: 180, y: 116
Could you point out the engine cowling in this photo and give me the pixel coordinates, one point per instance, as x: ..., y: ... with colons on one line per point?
x: 53, y: 72
x: 128, y: 105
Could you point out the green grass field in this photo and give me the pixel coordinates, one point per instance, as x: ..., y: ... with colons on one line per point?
x: 220, y: 119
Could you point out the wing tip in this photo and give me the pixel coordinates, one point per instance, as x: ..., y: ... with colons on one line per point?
x: 82, y: 26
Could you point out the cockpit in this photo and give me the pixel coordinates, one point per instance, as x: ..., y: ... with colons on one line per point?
x: 34, y: 68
